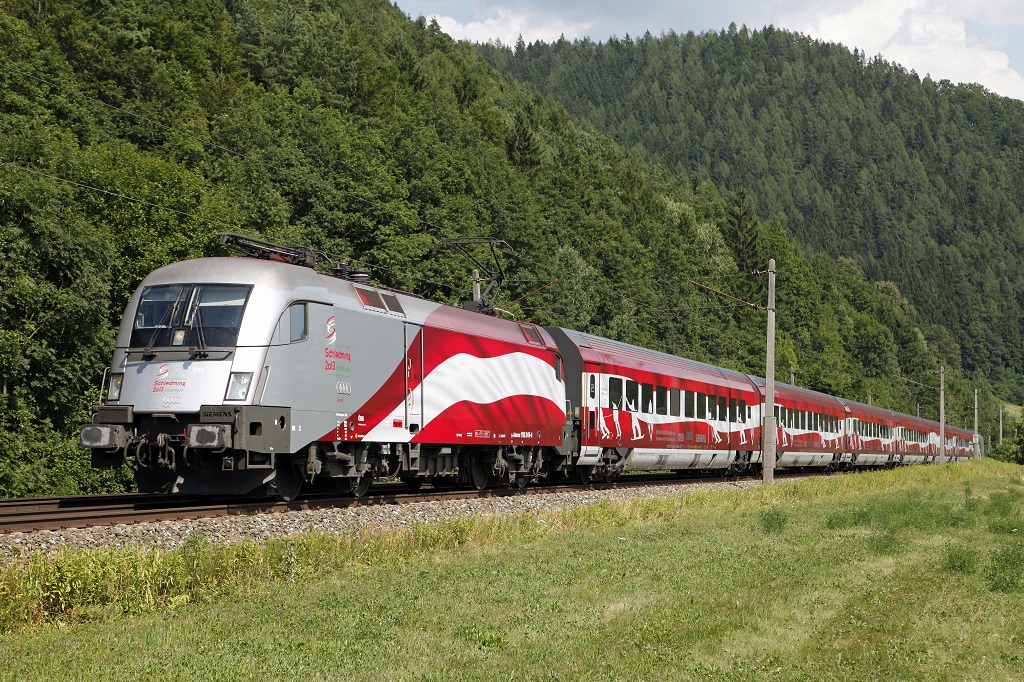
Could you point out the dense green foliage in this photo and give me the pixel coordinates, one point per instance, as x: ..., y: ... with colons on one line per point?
x: 919, y: 182
x: 132, y: 132
x: 1012, y: 447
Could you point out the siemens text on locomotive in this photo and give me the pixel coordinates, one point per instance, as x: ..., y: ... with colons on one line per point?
x: 258, y: 376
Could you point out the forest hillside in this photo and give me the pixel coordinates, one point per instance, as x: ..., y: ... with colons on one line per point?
x: 918, y: 182
x: 132, y: 133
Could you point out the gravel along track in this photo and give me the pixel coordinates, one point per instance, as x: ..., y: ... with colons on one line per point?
x: 260, y: 527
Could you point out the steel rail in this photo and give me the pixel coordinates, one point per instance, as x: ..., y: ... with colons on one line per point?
x: 83, y: 511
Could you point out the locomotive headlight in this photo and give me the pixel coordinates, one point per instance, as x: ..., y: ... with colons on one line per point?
x: 114, y: 388
x: 238, y: 386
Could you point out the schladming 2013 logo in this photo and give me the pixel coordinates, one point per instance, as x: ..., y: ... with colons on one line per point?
x: 164, y: 370
x: 331, y: 333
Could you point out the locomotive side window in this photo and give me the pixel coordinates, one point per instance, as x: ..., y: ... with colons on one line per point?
x: 690, y: 397
x: 661, y: 406
x: 531, y: 334
x: 370, y: 298
x: 558, y: 367
x: 673, y: 402
x: 647, y: 398
x: 632, y: 396
x: 615, y: 393
x: 297, y: 322
x: 393, y: 304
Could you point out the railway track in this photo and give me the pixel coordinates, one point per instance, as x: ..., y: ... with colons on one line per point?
x: 83, y: 511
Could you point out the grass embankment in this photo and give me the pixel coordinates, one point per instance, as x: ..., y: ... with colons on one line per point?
x: 910, y: 574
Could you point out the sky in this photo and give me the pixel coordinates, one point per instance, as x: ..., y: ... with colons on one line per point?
x: 964, y: 41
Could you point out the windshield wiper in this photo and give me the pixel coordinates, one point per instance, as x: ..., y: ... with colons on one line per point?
x: 164, y: 323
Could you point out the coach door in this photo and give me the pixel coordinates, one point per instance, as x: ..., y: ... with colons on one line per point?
x: 413, y: 377
x: 591, y: 412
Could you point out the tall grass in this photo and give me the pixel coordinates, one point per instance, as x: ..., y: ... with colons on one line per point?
x: 91, y: 584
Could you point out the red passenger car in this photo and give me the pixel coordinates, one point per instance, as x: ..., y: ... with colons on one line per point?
x: 870, y: 434
x: 641, y: 409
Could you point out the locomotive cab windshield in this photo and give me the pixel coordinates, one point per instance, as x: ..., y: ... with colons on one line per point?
x: 189, y: 315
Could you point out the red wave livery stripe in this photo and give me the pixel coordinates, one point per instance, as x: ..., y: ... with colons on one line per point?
x: 441, y: 345
x: 524, y: 419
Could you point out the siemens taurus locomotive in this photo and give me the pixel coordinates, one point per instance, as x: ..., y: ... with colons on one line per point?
x: 259, y: 376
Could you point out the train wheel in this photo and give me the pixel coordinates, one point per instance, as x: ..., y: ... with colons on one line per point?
x: 479, y: 473
x: 287, y: 482
x: 585, y: 475
x: 361, y: 485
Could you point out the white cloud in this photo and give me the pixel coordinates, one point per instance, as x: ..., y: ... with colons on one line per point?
x: 928, y: 36
x: 970, y: 41
x: 506, y: 26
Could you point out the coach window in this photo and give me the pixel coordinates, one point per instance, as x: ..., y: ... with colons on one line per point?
x: 723, y: 408
x: 691, y: 398
x: 297, y: 322
x: 647, y: 393
x: 702, y: 404
x: 732, y: 410
x: 632, y: 396
x: 661, y: 400
x: 615, y: 393
x: 743, y: 411
x: 673, y: 402
x: 712, y: 407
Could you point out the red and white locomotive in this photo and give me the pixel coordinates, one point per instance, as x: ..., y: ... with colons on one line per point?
x: 262, y: 375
